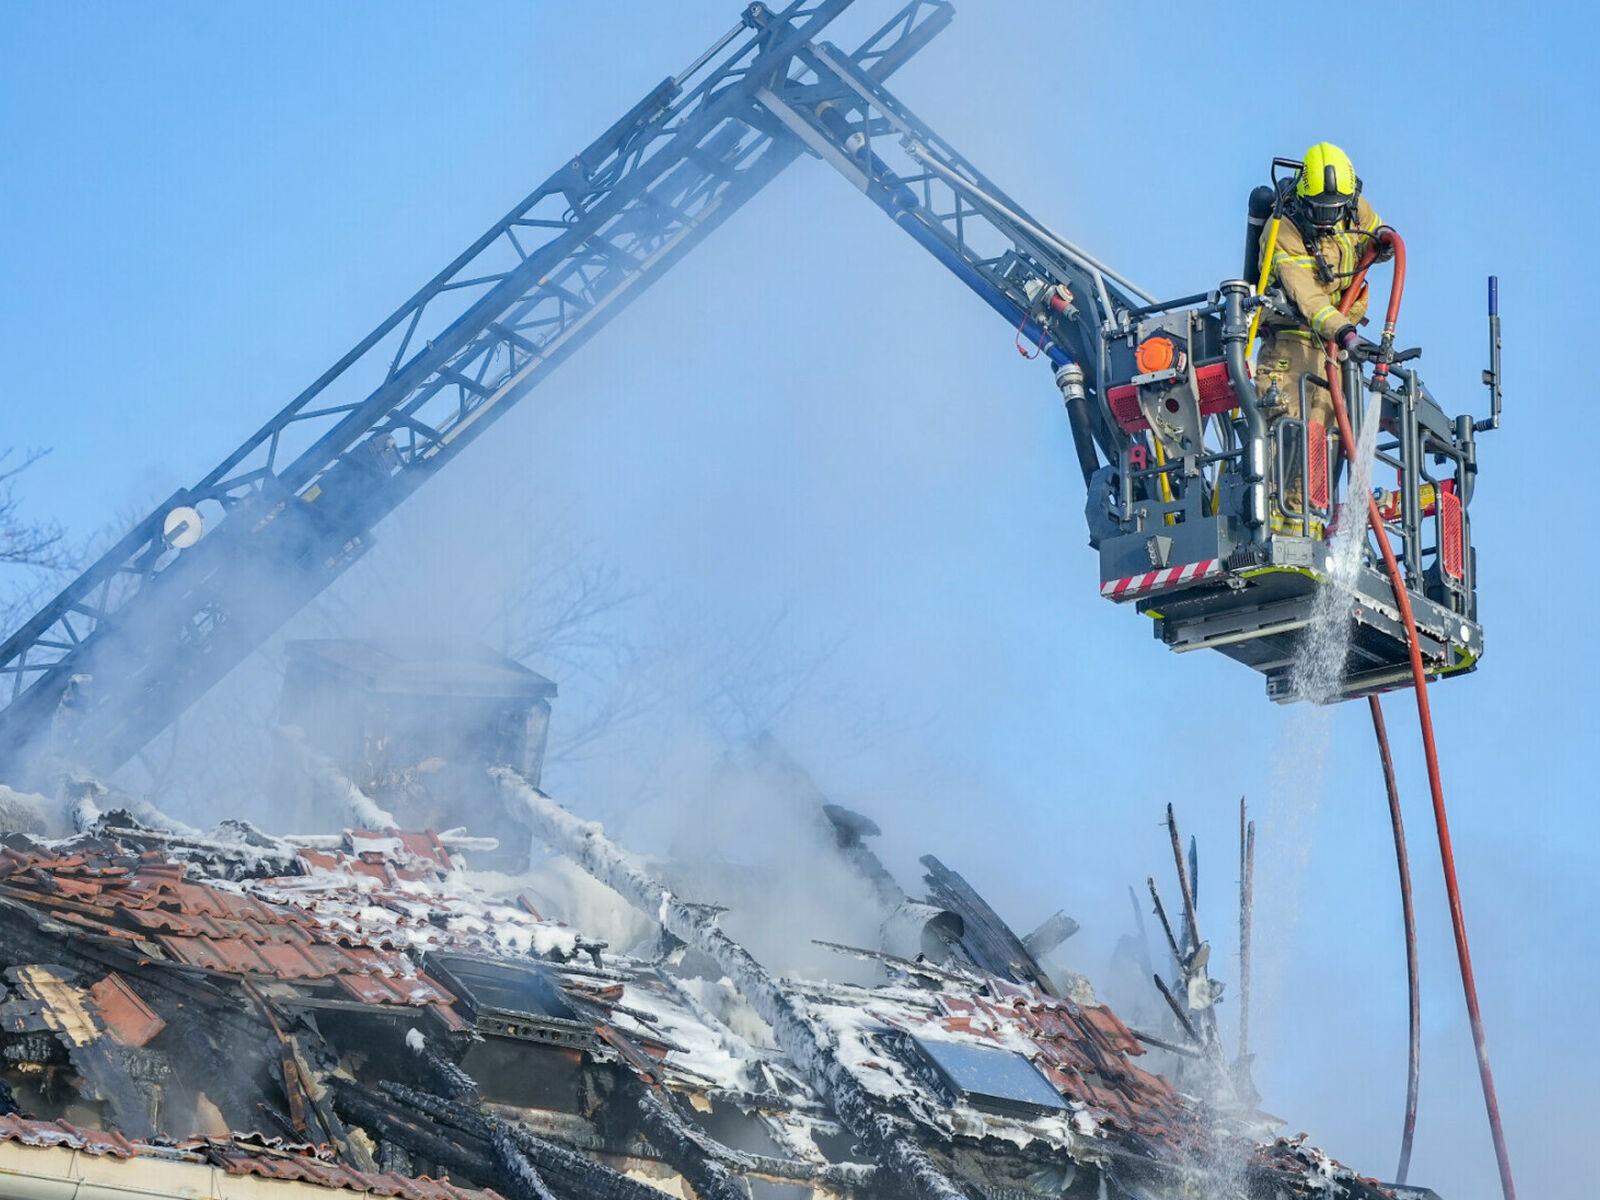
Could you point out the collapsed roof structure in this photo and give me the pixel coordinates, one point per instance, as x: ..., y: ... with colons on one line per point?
x: 234, y: 1013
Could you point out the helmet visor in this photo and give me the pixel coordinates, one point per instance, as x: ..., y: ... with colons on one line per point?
x: 1328, y: 209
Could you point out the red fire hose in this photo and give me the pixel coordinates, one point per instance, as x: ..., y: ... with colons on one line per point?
x: 1420, y: 681
x: 1408, y: 1130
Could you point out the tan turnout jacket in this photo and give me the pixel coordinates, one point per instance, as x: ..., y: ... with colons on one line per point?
x: 1294, y: 267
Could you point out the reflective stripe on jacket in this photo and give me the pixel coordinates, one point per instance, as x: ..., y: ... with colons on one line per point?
x: 1295, y: 269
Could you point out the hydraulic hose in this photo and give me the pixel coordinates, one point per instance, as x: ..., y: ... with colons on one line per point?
x: 1408, y: 1131
x: 1419, y: 675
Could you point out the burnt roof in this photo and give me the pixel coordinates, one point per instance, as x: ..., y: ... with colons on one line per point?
x: 156, y: 960
x: 267, y: 1158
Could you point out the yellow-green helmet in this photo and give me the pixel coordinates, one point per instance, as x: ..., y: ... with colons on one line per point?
x: 1327, y: 186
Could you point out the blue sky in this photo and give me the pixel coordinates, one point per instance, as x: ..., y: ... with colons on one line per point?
x: 808, y: 426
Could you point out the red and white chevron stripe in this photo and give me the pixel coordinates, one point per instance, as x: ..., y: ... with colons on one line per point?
x: 1155, y: 581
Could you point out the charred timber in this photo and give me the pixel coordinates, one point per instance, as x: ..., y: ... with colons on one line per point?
x: 1191, y: 921
x: 576, y: 1176
x: 334, y: 787
x: 565, y: 1171
x: 522, y: 1178
x: 681, y: 1149
x: 839, y: 1177
x: 988, y: 940
x: 455, y: 1151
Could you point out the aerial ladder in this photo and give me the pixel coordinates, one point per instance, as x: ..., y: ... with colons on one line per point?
x: 1181, y: 469
x: 1190, y: 498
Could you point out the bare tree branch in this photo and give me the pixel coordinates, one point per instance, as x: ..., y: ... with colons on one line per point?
x: 557, y: 612
x: 36, y: 548
x: 24, y: 542
x: 760, y: 678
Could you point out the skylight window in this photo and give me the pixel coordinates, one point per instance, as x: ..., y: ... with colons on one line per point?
x: 991, y: 1077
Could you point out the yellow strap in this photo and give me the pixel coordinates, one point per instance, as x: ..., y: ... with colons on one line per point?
x: 1261, y: 285
x: 1166, y: 482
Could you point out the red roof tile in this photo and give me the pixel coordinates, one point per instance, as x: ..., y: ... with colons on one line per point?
x: 222, y: 930
x: 59, y: 1133
x: 378, y: 989
x: 239, y: 1156
x: 128, y: 1019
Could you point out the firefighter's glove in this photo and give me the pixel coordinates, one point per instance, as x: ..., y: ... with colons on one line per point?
x: 1353, y: 345
x: 1383, y: 248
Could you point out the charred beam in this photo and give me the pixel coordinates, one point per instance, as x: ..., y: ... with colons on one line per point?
x: 1151, y: 1039
x: 841, y: 1177
x: 1191, y: 921
x: 393, y: 1159
x: 574, y: 1175
x: 443, y: 1076
x: 1166, y: 925
x: 915, y: 968
x: 333, y: 786
x: 454, y: 1150
x: 234, y: 860
x: 522, y: 1178
x: 566, y: 1171
x: 1050, y: 934
x: 305, y: 1085
x: 1177, y: 1010
x: 225, y: 1079
x: 682, y: 1147
x: 988, y: 940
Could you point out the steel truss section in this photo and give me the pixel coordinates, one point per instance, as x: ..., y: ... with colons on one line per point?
x: 1016, y: 265
x: 851, y: 120
x: 130, y: 643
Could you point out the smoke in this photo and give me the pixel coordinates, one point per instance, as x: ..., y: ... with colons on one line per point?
x: 911, y: 645
x: 807, y: 418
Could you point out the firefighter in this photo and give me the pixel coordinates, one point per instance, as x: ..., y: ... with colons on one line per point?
x: 1327, y: 226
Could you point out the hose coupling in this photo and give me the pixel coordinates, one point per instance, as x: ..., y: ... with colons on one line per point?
x: 1069, y: 378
